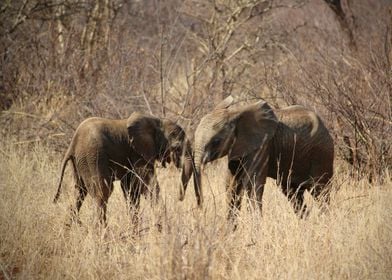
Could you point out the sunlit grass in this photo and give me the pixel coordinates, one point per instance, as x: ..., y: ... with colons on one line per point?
x: 352, y: 240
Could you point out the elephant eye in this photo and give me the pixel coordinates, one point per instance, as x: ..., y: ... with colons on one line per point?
x: 215, y: 142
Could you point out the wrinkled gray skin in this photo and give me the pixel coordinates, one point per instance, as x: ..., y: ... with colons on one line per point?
x: 104, y: 150
x: 291, y: 145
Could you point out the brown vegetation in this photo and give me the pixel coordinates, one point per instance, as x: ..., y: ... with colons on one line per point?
x: 350, y: 241
x: 65, y: 60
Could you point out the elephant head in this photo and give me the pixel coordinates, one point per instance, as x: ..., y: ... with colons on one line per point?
x: 232, y: 132
x: 161, y: 140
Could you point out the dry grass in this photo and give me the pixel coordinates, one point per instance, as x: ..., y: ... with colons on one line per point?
x: 351, y: 241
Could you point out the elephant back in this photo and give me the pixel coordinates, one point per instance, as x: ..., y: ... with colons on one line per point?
x: 303, y: 122
x: 301, y: 135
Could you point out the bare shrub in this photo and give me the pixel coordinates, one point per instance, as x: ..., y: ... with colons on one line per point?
x: 353, y: 90
x: 359, y: 97
x: 63, y: 61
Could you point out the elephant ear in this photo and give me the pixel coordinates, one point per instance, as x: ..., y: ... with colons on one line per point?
x: 146, y: 136
x: 227, y: 102
x: 255, y: 125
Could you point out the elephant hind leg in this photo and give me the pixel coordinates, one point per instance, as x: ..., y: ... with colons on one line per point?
x: 103, y: 189
x: 295, y: 194
x: 321, y: 177
x: 321, y: 192
x: 80, y: 196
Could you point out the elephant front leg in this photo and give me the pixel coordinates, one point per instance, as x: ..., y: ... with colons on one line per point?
x: 156, y: 191
x: 146, y: 178
x: 134, y: 205
x: 151, y: 182
x: 131, y: 188
x: 151, y: 189
x: 234, y: 191
x: 255, y: 193
x: 234, y: 198
x: 254, y: 178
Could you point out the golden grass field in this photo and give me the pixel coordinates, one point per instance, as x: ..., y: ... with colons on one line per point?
x: 353, y: 240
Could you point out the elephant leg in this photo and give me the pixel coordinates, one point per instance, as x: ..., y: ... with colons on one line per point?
x: 321, y: 176
x: 295, y: 194
x: 132, y: 186
x: 322, y: 194
x: 105, y: 188
x: 155, y: 192
x: 253, y: 177
x: 234, y: 190
x: 234, y: 198
x: 82, y: 192
x: 80, y: 196
x: 150, y: 182
x: 126, y: 182
x: 255, y: 194
x: 154, y: 195
x: 320, y: 191
x: 134, y: 202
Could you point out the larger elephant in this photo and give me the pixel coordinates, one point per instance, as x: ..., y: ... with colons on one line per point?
x: 291, y: 145
x: 103, y: 150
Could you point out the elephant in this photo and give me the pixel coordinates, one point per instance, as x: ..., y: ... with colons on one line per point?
x: 103, y: 150
x: 291, y: 145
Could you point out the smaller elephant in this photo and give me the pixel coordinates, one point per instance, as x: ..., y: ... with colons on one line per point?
x: 104, y: 150
x: 291, y: 145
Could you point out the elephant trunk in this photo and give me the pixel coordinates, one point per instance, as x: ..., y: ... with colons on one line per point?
x: 187, y: 170
x: 199, y: 155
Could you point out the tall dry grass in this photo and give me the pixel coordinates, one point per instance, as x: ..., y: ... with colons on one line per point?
x: 353, y: 240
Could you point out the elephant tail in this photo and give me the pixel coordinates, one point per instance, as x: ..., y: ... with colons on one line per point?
x: 63, y: 165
